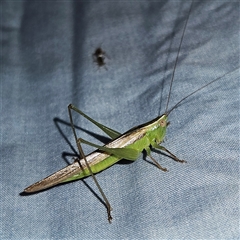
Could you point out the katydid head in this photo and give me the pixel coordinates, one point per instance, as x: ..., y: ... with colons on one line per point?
x: 159, y: 122
x: 157, y: 128
x: 163, y: 123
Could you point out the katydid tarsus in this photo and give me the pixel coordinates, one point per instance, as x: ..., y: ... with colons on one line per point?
x: 122, y: 146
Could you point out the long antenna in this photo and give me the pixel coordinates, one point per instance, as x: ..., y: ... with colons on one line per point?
x: 176, y: 61
x: 177, y: 104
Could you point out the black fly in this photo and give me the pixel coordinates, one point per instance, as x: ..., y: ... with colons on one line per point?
x: 99, y: 57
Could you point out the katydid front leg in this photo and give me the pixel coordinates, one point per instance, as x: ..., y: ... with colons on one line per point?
x: 172, y: 155
x: 148, y: 150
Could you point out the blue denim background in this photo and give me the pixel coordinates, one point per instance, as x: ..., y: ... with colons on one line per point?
x: 46, y: 63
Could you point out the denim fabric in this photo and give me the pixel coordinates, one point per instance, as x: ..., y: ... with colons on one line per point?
x: 47, y: 62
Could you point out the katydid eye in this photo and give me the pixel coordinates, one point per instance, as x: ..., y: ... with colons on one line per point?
x: 162, y: 123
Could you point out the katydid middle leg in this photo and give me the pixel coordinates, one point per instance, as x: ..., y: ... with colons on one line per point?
x: 171, y: 155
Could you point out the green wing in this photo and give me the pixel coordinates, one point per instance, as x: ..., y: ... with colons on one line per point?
x: 126, y: 153
x: 110, y: 132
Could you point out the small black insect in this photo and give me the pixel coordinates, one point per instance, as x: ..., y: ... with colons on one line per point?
x: 99, y: 57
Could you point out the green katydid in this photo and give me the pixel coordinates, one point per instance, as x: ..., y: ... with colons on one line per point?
x: 122, y: 146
